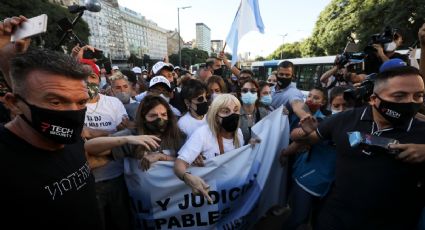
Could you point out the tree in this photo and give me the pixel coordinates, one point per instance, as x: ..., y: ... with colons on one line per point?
x: 189, y: 57
x: 361, y: 19
x: 259, y: 58
x: 55, y: 13
x: 285, y: 51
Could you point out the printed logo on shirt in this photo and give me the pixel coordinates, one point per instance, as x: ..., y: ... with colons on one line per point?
x: 97, y: 122
x: 73, y: 182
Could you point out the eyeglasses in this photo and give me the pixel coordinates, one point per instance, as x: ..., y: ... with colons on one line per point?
x: 245, y: 90
x: 201, y: 99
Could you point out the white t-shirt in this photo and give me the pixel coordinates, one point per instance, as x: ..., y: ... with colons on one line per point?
x: 203, y: 142
x: 189, y: 124
x: 106, y: 114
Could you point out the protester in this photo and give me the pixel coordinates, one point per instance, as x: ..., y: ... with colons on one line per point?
x: 194, y: 94
x: 216, y: 86
x: 221, y: 135
x: 251, y: 112
x: 313, y: 170
x: 47, y: 174
x: 265, y: 95
x: 155, y: 138
x: 121, y: 89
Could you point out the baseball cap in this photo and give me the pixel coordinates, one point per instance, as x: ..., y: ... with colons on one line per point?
x: 92, y: 65
x: 161, y: 65
x: 159, y: 79
x: 391, y: 64
x: 115, y: 67
x: 136, y: 70
x: 176, y: 67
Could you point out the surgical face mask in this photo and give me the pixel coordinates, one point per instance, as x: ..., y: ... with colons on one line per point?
x: 390, y: 47
x: 167, y: 99
x: 124, y: 97
x: 397, y: 113
x: 249, y: 98
x: 334, y: 111
x: 93, y: 89
x: 230, y: 123
x: 145, y: 76
x: 266, y: 100
x: 60, y: 126
x: 214, y: 95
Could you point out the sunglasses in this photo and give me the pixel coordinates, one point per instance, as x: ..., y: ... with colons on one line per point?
x: 201, y: 99
x: 245, y: 90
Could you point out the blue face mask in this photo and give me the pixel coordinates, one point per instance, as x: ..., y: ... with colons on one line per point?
x: 266, y: 100
x: 249, y: 98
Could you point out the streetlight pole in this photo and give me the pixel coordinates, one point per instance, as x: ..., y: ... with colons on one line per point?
x: 178, y: 22
x: 283, y: 39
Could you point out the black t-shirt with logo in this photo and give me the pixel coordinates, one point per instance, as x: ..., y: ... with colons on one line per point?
x: 373, y: 189
x: 46, y: 189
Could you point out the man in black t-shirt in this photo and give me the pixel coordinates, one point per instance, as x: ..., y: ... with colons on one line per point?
x: 45, y: 176
x: 375, y: 189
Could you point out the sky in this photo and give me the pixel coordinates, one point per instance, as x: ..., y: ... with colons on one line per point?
x: 295, y: 19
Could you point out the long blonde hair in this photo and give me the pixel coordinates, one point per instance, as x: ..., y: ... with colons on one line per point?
x: 218, y: 103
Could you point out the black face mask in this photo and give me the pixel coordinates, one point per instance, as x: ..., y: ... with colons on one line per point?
x: 202, y: 108
x: 218, y: 72
x: 156, y: 126
x: 230, y: 123
x: 283, y: 82
x: 63, y: 127
x: 397, y: 113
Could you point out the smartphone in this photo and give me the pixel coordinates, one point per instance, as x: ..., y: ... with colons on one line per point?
x: 31, y: 27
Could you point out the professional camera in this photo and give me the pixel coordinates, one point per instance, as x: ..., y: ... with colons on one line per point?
x: 349, y: 57
x: 360, y: 95
x: 386, y: 37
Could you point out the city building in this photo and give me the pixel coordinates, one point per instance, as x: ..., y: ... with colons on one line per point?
x: 106, y: 30
x: 203, y: 37
x: 173, y: 42
x: 216, y: 46
x: 135, y: 32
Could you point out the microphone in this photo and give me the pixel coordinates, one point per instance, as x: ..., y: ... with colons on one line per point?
x: 90, y: 5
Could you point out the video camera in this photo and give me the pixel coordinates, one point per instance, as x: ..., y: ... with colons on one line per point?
x: 386, y: 37
x: 360, y: 95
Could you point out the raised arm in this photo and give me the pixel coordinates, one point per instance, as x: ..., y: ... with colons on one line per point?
x: 102, y: 145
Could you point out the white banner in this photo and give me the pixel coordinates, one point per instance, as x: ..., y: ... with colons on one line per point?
x: 244, y: 184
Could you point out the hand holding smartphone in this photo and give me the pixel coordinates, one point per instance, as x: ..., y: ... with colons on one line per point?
x: 31, y: 27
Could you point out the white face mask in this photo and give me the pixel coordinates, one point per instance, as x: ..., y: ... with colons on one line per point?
x: 334, y: 111
x: 390, y: 47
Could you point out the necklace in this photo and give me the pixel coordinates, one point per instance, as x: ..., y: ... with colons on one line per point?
x: 95, y: 108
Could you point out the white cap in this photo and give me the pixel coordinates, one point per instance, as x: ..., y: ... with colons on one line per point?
x: 115, y: 67
x: 136, y: 70
x: 159, y: 79
x: 177, y: 67
x: 160, y: 65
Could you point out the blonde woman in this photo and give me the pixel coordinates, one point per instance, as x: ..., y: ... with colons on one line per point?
x: 221, y: 134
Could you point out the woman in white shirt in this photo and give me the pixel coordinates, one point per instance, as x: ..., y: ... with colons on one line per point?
x: 220, y: 135
x: 194, y: 95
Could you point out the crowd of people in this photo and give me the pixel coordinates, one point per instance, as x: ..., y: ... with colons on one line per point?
x: 68, y: 126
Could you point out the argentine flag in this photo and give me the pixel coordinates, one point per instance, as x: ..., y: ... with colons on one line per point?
x: 247, y: 19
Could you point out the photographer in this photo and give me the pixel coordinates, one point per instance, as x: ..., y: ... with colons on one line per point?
x: 340, y: 74
x: 382, y: 47
x: 377, y: 187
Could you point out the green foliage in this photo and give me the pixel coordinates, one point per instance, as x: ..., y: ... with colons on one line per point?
x: 285, y: 51
x: 189, y: 57
x: 359, y: 19
x: 55, y: 12
x: 259, y: 58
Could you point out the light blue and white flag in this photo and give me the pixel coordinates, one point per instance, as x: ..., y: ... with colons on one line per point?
x: 247, y: 19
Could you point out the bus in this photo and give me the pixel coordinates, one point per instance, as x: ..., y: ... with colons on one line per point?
x: 307, y: 70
